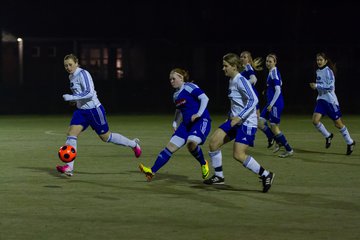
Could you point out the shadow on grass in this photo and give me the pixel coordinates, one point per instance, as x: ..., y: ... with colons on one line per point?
x: 301, y: 155
x: 224, y: 187
x: 53, y: 172
x: 195, y: 184
x: 297, y: 150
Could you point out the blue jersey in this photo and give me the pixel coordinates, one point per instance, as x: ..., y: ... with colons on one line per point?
x: 274, y: 79
x: 186, y: 100
x: 248, y: 71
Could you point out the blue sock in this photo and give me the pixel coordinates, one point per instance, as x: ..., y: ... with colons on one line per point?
x: 161, y: 160
x: 280, y: 138
x: 198, y: 154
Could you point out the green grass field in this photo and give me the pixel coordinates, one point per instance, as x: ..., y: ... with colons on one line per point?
x: 315, y: 194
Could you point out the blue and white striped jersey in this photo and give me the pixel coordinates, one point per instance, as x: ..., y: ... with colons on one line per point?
x: 325, y: 85
x: 82, y: 87
x: 274, y: 79
x: 186, y: 100
x: 243, y: 100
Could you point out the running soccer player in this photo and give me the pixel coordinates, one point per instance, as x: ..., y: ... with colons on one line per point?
x: 241, y: 126
x: 192, y: 124
x: 274, y: 106
x: 251, y: 65
x: 327, y: 102
x: 89, y: 112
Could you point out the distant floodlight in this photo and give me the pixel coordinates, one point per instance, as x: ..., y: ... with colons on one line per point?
x: 19, y: 39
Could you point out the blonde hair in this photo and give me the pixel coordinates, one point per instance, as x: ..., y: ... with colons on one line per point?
x: 255, y: 63
x: 71, y: 56
x: 273, y: 56
x: 234, y: 60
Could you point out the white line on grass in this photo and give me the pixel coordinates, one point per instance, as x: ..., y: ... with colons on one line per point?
x: 54, y: 133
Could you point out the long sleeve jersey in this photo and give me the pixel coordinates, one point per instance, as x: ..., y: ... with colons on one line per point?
x: 82, y: 87
x: 243, y: 100
x: 274, y: 82
x: 325, y: 85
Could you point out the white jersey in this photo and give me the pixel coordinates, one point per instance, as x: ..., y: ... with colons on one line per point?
x: 325, y: 85
x: 82, y: 87
x: 243, y: 100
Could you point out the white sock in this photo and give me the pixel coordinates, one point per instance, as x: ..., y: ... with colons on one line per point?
x: 321, y: 128
x: 72, y: 141
x: 216, y: 161
x: 71, y: 164
x: 346, y: 135
x: 251, y: 164
x: 119, y: 139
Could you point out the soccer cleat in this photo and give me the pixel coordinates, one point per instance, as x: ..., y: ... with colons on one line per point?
x: 215, y: 180
x: 147, y: 171
x: 271, y: 142
x: 205, y: 170
x: 66, y: 169
x: 137, y: 148
x: 350, y: 148
x: 328, y: 140
x: 286, y: 154
x: 277, y: 147
x: 267, y: 181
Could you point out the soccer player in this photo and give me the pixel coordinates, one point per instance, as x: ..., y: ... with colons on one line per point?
x: 89, y: 112
x: 327, y: 102
x: 251, y: 65
x: 274, y: 106
x: 241, y: 126
x: 192, y: 123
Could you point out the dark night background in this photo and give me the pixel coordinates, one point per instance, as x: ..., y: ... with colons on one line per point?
x: 169, y: 32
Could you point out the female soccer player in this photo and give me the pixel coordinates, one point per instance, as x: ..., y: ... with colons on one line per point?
x: 251, y: 65
x: 274, y: 106
x: 241, y: 126
x: 191, y: 125
x: 327, y: 102
x: 89, y: 112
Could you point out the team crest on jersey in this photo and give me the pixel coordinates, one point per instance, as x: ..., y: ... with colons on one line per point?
x: 180, y: 102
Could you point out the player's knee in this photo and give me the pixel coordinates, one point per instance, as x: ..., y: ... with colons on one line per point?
x: 339, y: 125
x: 213, y: 145
x: 105, y: 137
x: 191, y: 146
x: 315, y: 122
x: 240, y: 157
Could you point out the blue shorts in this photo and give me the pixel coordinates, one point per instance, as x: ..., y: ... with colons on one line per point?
x: 274, y: 115
x: 325, y: 108
x: 241, y: 133
x: 200, y: 128
x: 95, y: 117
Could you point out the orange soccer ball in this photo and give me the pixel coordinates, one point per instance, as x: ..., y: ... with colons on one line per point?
x: 67, y: 153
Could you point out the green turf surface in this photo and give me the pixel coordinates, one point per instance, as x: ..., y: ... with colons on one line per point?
x: 315, y: 193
